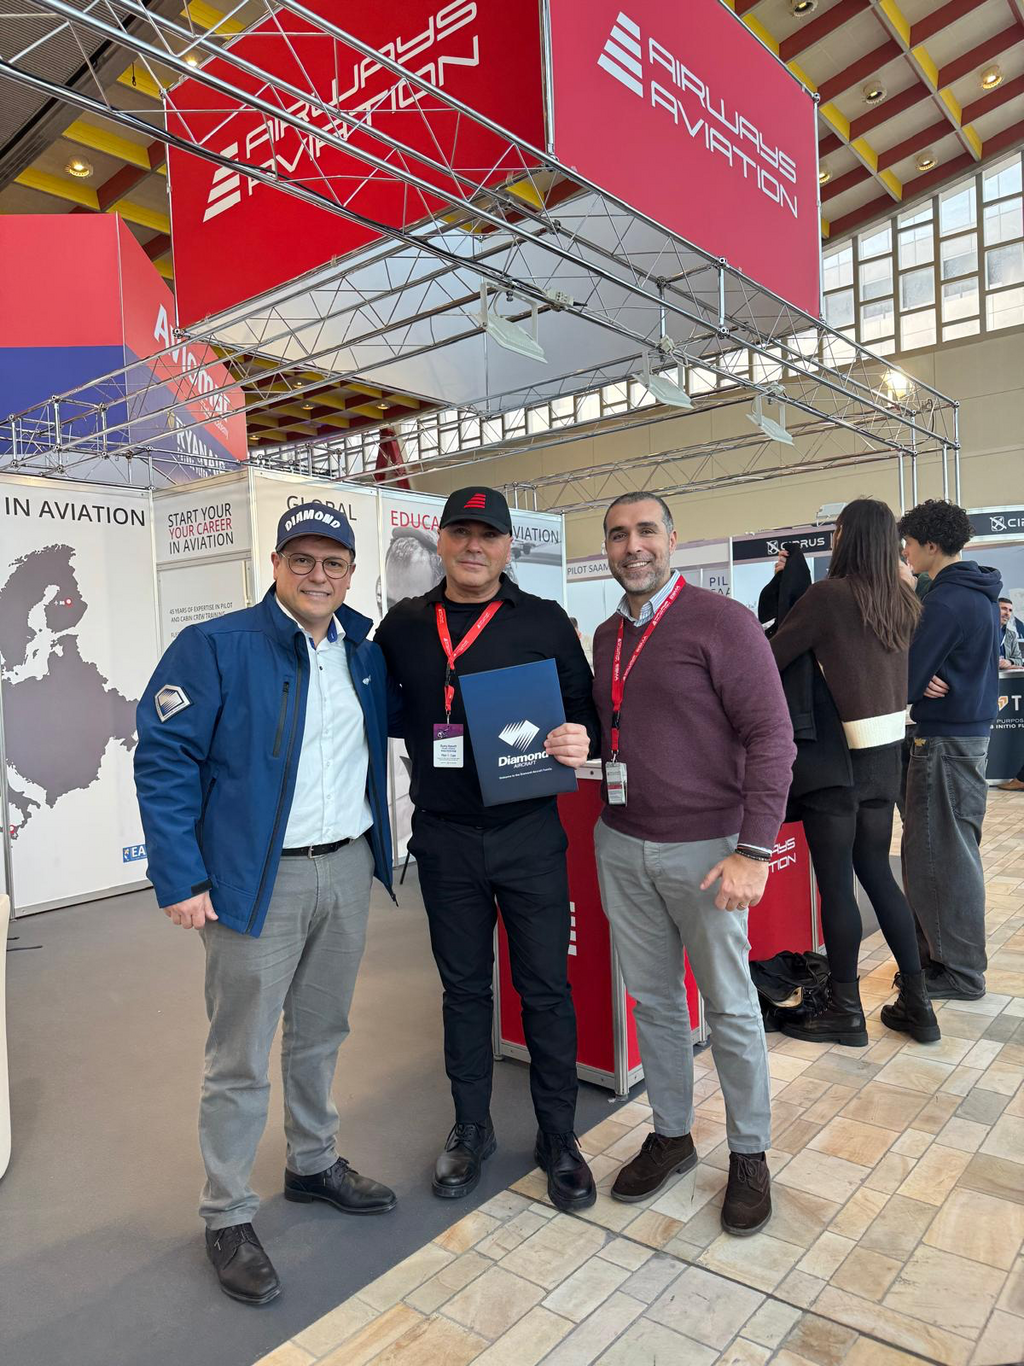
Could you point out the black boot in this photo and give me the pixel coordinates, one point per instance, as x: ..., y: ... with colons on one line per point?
x: 457, y: 1170
x: 839, y: 1020
x: 244, y: 1270
x: 911, y: 1013
x: 570, y: 1180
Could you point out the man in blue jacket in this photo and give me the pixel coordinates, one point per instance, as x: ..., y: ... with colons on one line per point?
x: 954, y: 687
x: 261, y: 778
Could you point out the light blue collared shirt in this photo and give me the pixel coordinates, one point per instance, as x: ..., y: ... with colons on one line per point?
x: 330, y: 786
x: 651, y: 605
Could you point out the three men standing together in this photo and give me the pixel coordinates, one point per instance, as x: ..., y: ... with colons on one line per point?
x: 261, y: 777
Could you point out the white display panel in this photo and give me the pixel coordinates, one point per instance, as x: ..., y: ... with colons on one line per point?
x: 191, y: 593
x: 201, y: 520
x: 78, y: 640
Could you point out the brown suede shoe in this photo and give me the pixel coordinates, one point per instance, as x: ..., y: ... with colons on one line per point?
x: 657, y: 1160
x: 748, y: 1196
x: 1012, y: 785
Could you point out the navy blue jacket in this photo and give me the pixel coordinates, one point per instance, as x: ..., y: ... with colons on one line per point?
x: 215, y: 777
x: 958, y: 639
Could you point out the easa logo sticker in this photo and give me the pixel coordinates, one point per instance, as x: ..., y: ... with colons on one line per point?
x: 131, y: 853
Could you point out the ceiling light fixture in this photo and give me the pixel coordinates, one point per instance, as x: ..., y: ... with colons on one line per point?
x: 802, y: 8
x: 874, y: 92
x: 897, y: 384
x: 671, y: 392
x: 191, y: 59
x: 383, y: 407
x: 508, y: 334
x: 992, y: 76
x: 824, y: 175
x: 773, y: 428
x: 79, y: 168
x: 308, y: 407
x: 925, y: 161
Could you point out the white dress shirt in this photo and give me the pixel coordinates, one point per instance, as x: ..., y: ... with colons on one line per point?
x: 330, y: 786
x: 650, y: 606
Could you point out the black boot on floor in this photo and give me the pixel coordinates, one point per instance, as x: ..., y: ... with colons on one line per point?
x: 570, y: 1180
x: 911, y: 1013
x: 839, y: 1020
x: 457, y: 1170
x: 244, y: 1270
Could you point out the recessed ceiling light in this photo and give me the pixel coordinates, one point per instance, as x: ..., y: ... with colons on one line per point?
x: 79, y: 168
x: 308, y: 407
x: 824, y: 175
x: 874, y: 92
x: 383, y: 407
x: 802, y: 8
x: 191, y: 59
x: 991, y: 77
x: 925, y: 161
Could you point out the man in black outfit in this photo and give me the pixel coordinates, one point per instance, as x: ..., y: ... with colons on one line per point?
x: 470, y: 856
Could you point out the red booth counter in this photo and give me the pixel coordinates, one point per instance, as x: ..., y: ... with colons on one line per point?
x: 607, y: 1049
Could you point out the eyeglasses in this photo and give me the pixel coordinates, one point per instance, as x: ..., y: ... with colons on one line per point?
x: 333, y: 567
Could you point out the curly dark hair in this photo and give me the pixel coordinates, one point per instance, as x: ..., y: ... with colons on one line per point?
x: 937, y: 520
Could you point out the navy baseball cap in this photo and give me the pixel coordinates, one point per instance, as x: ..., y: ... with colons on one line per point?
x: 315, y: 519
x: 478, y: 505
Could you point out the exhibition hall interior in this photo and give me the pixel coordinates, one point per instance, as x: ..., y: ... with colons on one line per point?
x: 512, y: 682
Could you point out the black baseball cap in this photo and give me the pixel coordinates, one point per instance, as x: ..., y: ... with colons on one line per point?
x: 478, y: 505
x: 315, y: 519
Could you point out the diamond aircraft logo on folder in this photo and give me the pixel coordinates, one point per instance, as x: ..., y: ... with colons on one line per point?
x: 519, y: 735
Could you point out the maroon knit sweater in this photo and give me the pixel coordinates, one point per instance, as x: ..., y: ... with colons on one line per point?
x: 705, y: 730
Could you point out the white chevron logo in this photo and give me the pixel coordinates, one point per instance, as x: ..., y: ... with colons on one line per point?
x: 226, y: 188
x: 622, y: 53
x: 519, y: 735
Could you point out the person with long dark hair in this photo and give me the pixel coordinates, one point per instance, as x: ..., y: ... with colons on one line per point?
x: 857, y: 625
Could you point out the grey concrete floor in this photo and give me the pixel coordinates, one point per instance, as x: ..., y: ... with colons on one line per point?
x: 101, y: 1252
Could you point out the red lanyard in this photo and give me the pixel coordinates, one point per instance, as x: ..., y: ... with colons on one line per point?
x: 618, y: 676
x: 467, y: 640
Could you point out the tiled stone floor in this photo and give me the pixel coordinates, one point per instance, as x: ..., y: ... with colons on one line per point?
x: 898, y: 1181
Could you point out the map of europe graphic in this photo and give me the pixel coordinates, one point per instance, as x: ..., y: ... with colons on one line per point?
x: 60, y: 713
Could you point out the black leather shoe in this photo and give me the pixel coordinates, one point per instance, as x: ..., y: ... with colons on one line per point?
x: 244, y: 1270
x: 839, y: 1020
x: 457, y: 1170
x: 748, y: 1196
x: 911, y: 1013
x: 341, y: 1187
x: 570, y: 1180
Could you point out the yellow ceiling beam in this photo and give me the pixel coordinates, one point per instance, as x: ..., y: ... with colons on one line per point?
x: 71, y: 190
x: 826, y: 227
x: 140, y: 79
x: 145, y: 218
x: 165, y: 268
x: 206, y: 17
x: 110, y: 144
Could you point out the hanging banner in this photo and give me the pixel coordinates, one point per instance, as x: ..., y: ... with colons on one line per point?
x: 487, y: 55
x: 78, y: 642
x: 682, y: 113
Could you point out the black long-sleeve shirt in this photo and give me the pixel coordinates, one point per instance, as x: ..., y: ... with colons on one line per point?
x: 525, y: 628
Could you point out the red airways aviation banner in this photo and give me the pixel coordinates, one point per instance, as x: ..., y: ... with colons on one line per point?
x: 235, y: 237
x: 680, y: 112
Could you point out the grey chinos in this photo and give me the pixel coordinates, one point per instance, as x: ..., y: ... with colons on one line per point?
x: 655, y: 908
x: 304, y: 966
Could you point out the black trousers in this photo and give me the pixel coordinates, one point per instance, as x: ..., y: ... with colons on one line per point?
x: 464, y: 870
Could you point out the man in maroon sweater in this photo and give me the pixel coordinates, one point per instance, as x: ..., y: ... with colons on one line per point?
x: 698, y: 747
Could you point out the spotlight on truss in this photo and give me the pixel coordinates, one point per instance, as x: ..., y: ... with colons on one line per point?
x: 668, y: 391
x: 508, y: 334
x: 772, y: 428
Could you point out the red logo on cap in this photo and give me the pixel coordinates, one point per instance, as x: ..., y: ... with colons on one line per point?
x: 478, y: 500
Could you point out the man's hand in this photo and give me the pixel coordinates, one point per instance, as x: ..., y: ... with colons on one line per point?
x: 193, y: 913
x: 780, y: 563
x: 937, y: 687
x: 743, y: 882
x: 1004, y: 663
x: 907, y: 574
x: 569, y: 744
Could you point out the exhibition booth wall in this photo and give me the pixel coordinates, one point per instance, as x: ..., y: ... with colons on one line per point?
x: 95, y: 582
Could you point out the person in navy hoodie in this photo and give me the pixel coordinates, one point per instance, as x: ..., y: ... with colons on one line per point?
x: 954, y: 687
x: 261, y: 777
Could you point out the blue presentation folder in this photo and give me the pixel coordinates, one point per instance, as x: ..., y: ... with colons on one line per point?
x: 509, y: 712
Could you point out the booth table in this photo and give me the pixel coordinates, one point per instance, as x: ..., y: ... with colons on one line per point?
x: 1006, y: 747
x: 607, y: 1048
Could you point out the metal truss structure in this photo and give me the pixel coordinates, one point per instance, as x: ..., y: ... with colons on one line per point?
x: 612, y: 293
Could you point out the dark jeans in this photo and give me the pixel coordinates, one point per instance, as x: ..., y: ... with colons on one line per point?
x: 463, y: 870
x: 857, y: 841
x: 945, y: 807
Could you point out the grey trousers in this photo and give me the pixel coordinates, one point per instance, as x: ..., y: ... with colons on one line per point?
x: 303, y: 965
x: 945, y: 884
x: 652, y: 898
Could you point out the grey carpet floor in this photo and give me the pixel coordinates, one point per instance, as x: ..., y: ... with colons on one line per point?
x: 101, y: 1252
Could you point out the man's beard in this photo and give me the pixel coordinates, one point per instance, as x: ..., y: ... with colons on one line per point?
x: 656, y: 572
